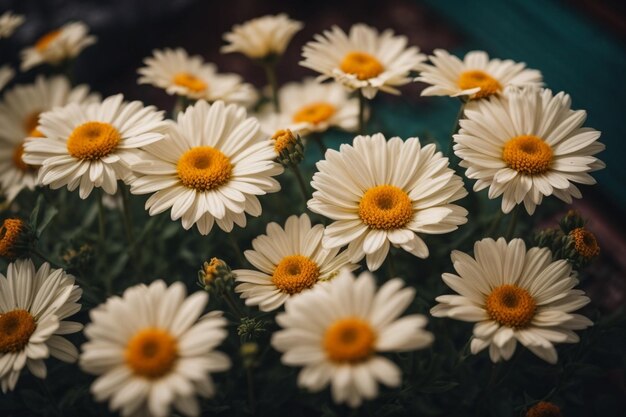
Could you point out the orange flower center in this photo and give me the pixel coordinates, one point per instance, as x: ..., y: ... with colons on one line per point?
x: 544, y: 409
x: 510, y: 306
x: 151, y: 353
x: 204, y: 168
x: 314, y: 113
x: 93, y: 140
x: 190, y: 82
x: 16, y: 327
x: 527, y: 154
x: 585, y: 243
x: 31, y: 122
x: 349, y: 340
x: 295, y: 273
x: 385, y: 207
x: 477, y: 78
x: 43, y: 42
x: 10, y: 232
x: 283, y: 140
x: 361, y: 64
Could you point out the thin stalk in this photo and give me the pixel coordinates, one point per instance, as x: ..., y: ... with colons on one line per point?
x: 237, y: 249
x: 36, y: 252
x: 391, y: 265
x: 101, y: 217
x: 455, y: 129
x: 232, y: 304
x: 512, y: 223
x: 495, y: 224
x: 251, y: 396
x: 301, y: 183
x: 317, y: 138
x: 362, y: 109
x: 270, y: 74
x: 127, y: 217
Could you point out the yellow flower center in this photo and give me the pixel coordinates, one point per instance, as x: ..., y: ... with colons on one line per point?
x: 349, y: 340
x: 16, y: 327
x: 10, y: 232
x: 204, y: 168
x: 43, y: 42
x: 189, y: 81
x: 314, y: 113
x: 585, y: 242
x: 361, y: 64
x: 477, y: 78
x: 283, y: 140
x: 385, y: 207
x: 544, y: 409
x: 527, y: 154
x: 151, y: 353
x: 30, y: 125
x: 295, y: 273
x: 93, y: 140
x: 510, y: 306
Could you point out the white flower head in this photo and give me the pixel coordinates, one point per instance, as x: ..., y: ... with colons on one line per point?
x: 92, y: 145
x: 527, y: 144
x: 9, y: 22
x: 152, y: 350
x: 363, y: 59
x: 58, y: 45
x: 211, y: 167
x: 6, y: 75
x: 514, y: 295
x: 289, y: 261
x: 309, y: 106
x: 33, y: 307
x: 337, y: 330
x: 19, y: 115
x: 262, y: 37
x: 476, y: 76
x: 381, y: 193
x: 180, y: 74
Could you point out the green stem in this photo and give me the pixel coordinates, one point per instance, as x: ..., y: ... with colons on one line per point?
x: 301, y: 183
x: 495, y: 224
x: 317, y: 138
x: 362, y: 108
x: 391, y: 265
x: 45, y: 258
x: 512, y: 223
x: 127, y: 217
x: 455, y: 129
x: 232, y: 304
x: 237, y: 249
x: 251, y: 396
x: 270, y: 74
x: 101, y: 217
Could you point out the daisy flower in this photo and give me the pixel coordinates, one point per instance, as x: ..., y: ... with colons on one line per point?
x: 92, y: 145
x: 19, y: 115
x: 476, y: 76
x: 189, y: 76
x: 385, y: 192
x: 58, y: 45
x: 33, y: 306
x: 6, y: 75
x: 514, y: 295
x: 151, y: 350
x: 363, y: 59
x: 9, y: 22
x: 335, y: 332
x: 309, y: 106
x: 289, y: 261
x: 262, y: 37
x: 210, y: 169
x: 527, y: 144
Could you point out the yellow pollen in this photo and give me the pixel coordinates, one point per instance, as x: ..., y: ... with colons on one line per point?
x: 527, y: 154
x: 585, y: 243
x: 295, y: 273
x: 385, y: 207
x: 16, y: 327
x: 314, y: 113
x: 544, y: 409
x: 43, y: 42
x: 204, y: 168
x: 189, y: 81
x: 93, y: 140
x: 510, y: 306
x: 151, y: 353
x: 349, y: 340
x: 477, y: 78
x: 361, y: 64
x: 283, y: 139
x: 31, y: 122
x: 10, y: 232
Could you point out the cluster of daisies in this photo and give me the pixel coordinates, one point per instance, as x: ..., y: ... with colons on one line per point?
x: 153, y: 348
